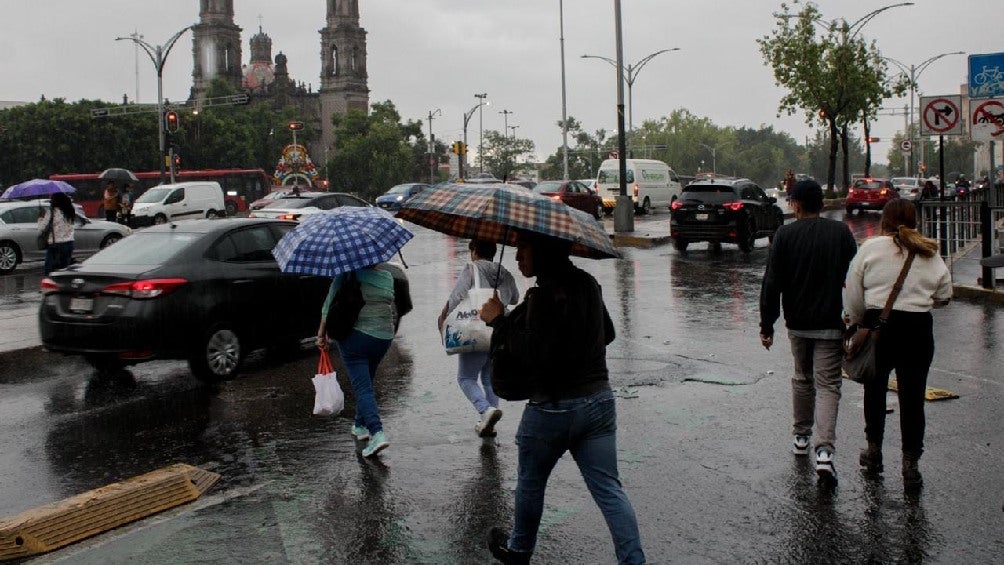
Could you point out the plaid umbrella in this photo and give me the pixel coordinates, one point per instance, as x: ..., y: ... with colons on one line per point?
x: 489, y: 211
x: 340, y: 240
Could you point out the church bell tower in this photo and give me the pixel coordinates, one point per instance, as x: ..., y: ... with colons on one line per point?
x: 343, y: 65
x: 216, y: 47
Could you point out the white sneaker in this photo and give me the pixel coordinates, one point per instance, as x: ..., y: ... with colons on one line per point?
x: 486, y: 427
x: 824, y: 465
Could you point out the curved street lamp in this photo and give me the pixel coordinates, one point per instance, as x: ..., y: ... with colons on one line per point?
x: 913, y: 72
x: 467, y: 118
x: 632, y: 74
x: 158, y: 54
x: 714, y: 158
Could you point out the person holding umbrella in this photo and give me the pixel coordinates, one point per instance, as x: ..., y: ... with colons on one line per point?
x: 59, y: 215
x: 561, y: 330
x: 112, y: 201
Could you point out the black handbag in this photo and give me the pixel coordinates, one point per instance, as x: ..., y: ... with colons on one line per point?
x: 860, y: 342
x: 512, y: 379
x: 345, y: 308
x: 46, y: 234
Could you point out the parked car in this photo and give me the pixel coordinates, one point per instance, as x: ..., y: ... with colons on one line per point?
x: 909, y: 188
x: 869, y: 194
x: 724, y: 210
x: 525, y: 183
x: 399, y: 194
x: 292, y: 207
x: 19, y: 234
x: 206, y: 291
x: 572, y: 193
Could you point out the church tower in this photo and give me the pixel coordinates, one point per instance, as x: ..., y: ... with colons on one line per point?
x: 343, y: 65
x: 216, y: 47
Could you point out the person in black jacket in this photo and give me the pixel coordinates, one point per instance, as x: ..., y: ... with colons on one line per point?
x: 560, y: 332
x: 805, y: 273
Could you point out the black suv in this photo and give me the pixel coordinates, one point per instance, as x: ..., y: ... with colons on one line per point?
x: 724, y: 210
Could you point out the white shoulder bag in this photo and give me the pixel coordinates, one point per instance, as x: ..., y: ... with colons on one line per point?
x: 463, y: 330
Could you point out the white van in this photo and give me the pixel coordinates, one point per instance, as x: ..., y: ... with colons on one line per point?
x: 181, y: 201
x: 650, y: 183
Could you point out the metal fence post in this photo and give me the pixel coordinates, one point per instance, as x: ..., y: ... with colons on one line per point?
x: 986, y: 224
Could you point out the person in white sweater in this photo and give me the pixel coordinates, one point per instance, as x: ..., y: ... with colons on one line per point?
x: 906, y: 342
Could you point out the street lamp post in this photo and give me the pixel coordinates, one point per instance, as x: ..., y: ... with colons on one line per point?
x: 714, y: 158
x: 432, y: 147
x: 512, y: 155
x: 481, y: 130
x: 914, y: 71
x: 467, y: 118
x: 564, y: 106
x: 158, y: 54
x: 632, y: 74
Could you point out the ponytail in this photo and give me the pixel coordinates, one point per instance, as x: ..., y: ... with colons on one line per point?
x: 911, y: 240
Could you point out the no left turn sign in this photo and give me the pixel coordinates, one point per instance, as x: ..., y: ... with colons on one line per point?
x: 942, y: 115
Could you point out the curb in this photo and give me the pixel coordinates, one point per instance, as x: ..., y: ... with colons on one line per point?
x: 642, y: 241
x: 977, y: 294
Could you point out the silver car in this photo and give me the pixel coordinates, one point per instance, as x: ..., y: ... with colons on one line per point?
x: 19, y: 233
x: 909, y: 188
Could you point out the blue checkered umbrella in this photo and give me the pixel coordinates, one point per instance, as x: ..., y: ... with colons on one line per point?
x: 340, y: 240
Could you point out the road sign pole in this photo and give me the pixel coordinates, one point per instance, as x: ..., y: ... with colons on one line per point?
x: 943, y: 220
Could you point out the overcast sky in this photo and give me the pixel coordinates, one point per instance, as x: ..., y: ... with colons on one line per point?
x: 429, y: 54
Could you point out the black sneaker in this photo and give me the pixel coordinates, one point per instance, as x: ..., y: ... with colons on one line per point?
x: 498, y: 544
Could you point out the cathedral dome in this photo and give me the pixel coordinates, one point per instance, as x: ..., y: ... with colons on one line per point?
x: 258, y: 75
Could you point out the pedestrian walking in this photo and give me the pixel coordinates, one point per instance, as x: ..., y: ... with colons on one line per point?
x: 560, y: 332
x: 60, y: 214
x: 906, y: 342
x: 475, y: 365
x: 805, y: 274
x: 125, y: 205
x: 789, y: 181
x: 112, y: 201
x: 364, y: 348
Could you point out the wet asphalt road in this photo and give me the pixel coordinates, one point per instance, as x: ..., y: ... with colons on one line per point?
x: 704, y: 436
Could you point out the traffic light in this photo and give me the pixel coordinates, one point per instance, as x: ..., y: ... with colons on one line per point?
x: 873, y: 140
x: 171, y: 118
x: 296, y: 126
x: 177, y: 161
x: 459, y: 148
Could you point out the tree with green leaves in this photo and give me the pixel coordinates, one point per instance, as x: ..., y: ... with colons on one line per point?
x: 501, y: 153
x: 835, y: 77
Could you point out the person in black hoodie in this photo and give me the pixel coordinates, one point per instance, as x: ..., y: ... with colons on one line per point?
x: 805, y: 273
x: 560, y: 332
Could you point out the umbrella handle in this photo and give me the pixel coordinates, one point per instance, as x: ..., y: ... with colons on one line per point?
x: 498, y: 274
x: 401, y: 255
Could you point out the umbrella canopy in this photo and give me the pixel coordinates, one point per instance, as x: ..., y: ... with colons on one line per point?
x: 489, y: 211
x: 337, y: 241
x: 35, y: 188
x: 118, y: 175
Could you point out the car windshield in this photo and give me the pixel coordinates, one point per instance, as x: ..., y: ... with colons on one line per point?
x: 710, y: 193
x: 905, y: 180
x: 145, y: 248
x: 155, y: 194
x: 869, y: 184
x: 399, y: 189
x: 547, y: 187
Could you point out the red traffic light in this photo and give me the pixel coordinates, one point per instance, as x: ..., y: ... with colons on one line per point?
x: 296, y: 126
x: 172, y: 121
x: 873, y: 140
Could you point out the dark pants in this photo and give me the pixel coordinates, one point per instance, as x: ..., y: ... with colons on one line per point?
x: 57, y: 256
x: 905, y: 344
x: 111, y: 215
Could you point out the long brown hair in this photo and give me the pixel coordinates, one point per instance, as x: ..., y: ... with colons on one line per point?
x: 899, y: 219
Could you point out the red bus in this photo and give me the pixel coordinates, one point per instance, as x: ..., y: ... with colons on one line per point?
x: 240, y: 186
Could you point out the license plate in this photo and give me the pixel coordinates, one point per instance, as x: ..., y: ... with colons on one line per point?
x: 81, y: 304
x: 701, y: 217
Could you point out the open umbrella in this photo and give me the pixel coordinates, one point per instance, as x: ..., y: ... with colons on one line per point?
x: 340, y: 240
x: 491, y: 212
x: 118, y: 175
x: 35, y: 188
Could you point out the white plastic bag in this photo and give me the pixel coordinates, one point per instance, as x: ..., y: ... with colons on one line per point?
x: 328, y: 397
x: 463, y: 330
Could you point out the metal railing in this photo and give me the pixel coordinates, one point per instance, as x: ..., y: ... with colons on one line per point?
x: 966, y: 230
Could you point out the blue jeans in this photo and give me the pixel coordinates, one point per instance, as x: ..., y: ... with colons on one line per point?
x: 57, y: 256
x: 469, y: 367
x: 361, y: 354
x: 587, y: 427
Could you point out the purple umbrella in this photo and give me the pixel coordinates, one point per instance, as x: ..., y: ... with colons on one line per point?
x: 37, y: 187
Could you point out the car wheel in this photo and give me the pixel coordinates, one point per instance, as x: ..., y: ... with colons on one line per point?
x: 104, y: 362
x: 747, y: 235
x: 598, y: 213
x: 109, y: 239
x: 231, y: 209
x: 10, y: 255
x: 160, y: 219
x: 680, y: 244
x: 850, y: 210
x: 646, y: 206
x: 218, y: 355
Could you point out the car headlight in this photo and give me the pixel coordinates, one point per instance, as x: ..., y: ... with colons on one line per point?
x: 400, y: 198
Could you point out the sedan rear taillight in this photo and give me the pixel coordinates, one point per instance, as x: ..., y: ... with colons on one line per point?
x: 48, y: 286
x: 734, y: 206
x: 288, y: 216
x: 150, y: 288
x: 676, y: 205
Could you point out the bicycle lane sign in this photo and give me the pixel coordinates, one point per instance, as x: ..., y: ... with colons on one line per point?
x: 941, y: 115
x: 986, y: 75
